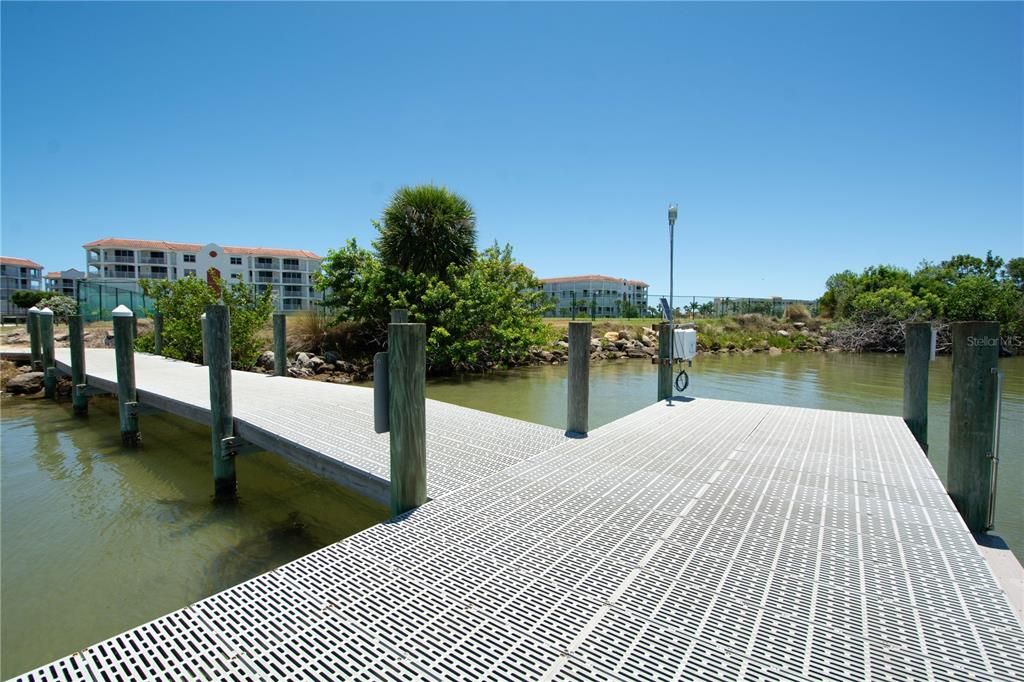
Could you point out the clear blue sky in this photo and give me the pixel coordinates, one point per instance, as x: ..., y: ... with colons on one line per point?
x: 799, y: 139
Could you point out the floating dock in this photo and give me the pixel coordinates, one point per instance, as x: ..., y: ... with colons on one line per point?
x: 707, y: 540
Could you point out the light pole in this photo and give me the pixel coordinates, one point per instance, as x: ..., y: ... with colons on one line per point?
x: 673, y: 212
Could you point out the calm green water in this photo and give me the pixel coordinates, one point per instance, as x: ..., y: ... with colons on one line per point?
x: 97, y: 539
x: 832, y: 381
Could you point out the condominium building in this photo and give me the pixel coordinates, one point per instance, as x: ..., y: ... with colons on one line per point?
x: 63, y: 282
x: 600, y: 295
x: 124, y: 262
x: 17, y: 274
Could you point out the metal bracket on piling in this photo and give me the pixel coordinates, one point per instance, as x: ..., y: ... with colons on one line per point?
x: 88, y: 391
x: 233, y: 446
x: 132, y: 409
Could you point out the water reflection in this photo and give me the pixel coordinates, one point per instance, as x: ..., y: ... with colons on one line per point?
x: 98, y: 538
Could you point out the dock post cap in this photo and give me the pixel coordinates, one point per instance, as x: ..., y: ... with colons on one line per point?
x: 45, y: 311
x: 122, y: 311
x: 33, y: 309
x: 203, y: 316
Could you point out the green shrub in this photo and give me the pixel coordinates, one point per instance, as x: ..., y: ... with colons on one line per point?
x: 183, y: 301
x: 62, y: 306
x: 26, y: 299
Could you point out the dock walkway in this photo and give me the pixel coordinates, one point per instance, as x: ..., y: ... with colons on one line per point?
x: 705, y: 540
x: 328, y: 428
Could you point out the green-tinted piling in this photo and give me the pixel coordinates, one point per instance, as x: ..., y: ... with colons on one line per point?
x: 578, y: 412
x: 664, y: 363
x: 218, y: 335
x: 204, y: 334
x: 407, y: 415
x: 972, y: 410
x: 124, y: 357
x: 399, y: 316
x: 76, y: 337
x: 35, y: 345
x: 280, y: 337
x: 916, y: 356
x: 158, y: 333
x: 44, y: 321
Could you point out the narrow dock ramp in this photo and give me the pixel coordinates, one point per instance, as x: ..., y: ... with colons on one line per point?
x: 328, y: 428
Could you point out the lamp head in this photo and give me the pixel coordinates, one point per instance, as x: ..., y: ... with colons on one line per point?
x: 673, y: 211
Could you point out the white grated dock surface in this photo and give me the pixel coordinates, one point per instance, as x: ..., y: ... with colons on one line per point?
x: 329, y: 427
x: 708, y: 540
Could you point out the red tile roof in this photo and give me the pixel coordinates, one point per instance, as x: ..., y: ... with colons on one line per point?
x: 593, y: 278
x: 184, y: 246
x: 21, y: 262
x: 53, y: 275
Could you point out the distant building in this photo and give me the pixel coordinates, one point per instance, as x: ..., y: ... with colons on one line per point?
x: 608, y: 296
x: 63, y: 282
x: 17, y: 274
x: 124, y: 262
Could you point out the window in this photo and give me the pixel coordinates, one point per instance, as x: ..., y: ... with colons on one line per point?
x: 236, y: 275
x: 236, y: 260
x: 190, y: 272
x: 190, y: 258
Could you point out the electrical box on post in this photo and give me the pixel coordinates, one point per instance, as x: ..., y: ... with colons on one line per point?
x: 685, y: 345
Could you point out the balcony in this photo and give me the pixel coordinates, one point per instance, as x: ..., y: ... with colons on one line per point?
x: 285, y: 265
x: 265, y: 264
x: 153, y: 275
x: 119, y: 259
x: 291, y: 305
x: 292, y: 278
x: 267, y: 279
x: 156, y: 260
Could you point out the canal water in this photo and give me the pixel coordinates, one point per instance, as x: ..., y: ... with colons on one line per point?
x: 97, y: 539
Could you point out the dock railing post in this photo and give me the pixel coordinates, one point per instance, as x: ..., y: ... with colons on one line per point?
x: 972, y: 428
x: 399, y: 315
x: 578, y: 411
x: 664, y: 363
x: 916, y: 356
x: 124, y: 357
x: 407, y: 415
x: 44, y: 320
x: 158, y: 333
x: 34, y: 343
x: 280, y: 338
x: 76, y: 337
x: 204, y: 333
x: 222, y: 430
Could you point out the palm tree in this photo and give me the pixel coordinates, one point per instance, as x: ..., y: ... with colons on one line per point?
x: 425, y: 229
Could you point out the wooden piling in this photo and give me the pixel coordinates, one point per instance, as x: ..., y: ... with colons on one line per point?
x: 407, y: 415
x: 218, y: 342
x: 972, y: 409
x: 35, y: 346
x: 76, y: 337
x: 158, y: 333
x: 578, y: 412
x: 664, y: 363
x: 280, y: 338
x: 203, y: 333
x: 44, y: 322
x: 916, y: 356
x: 399, y: 315
x: 381, y: 404
x: 124, y: 357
